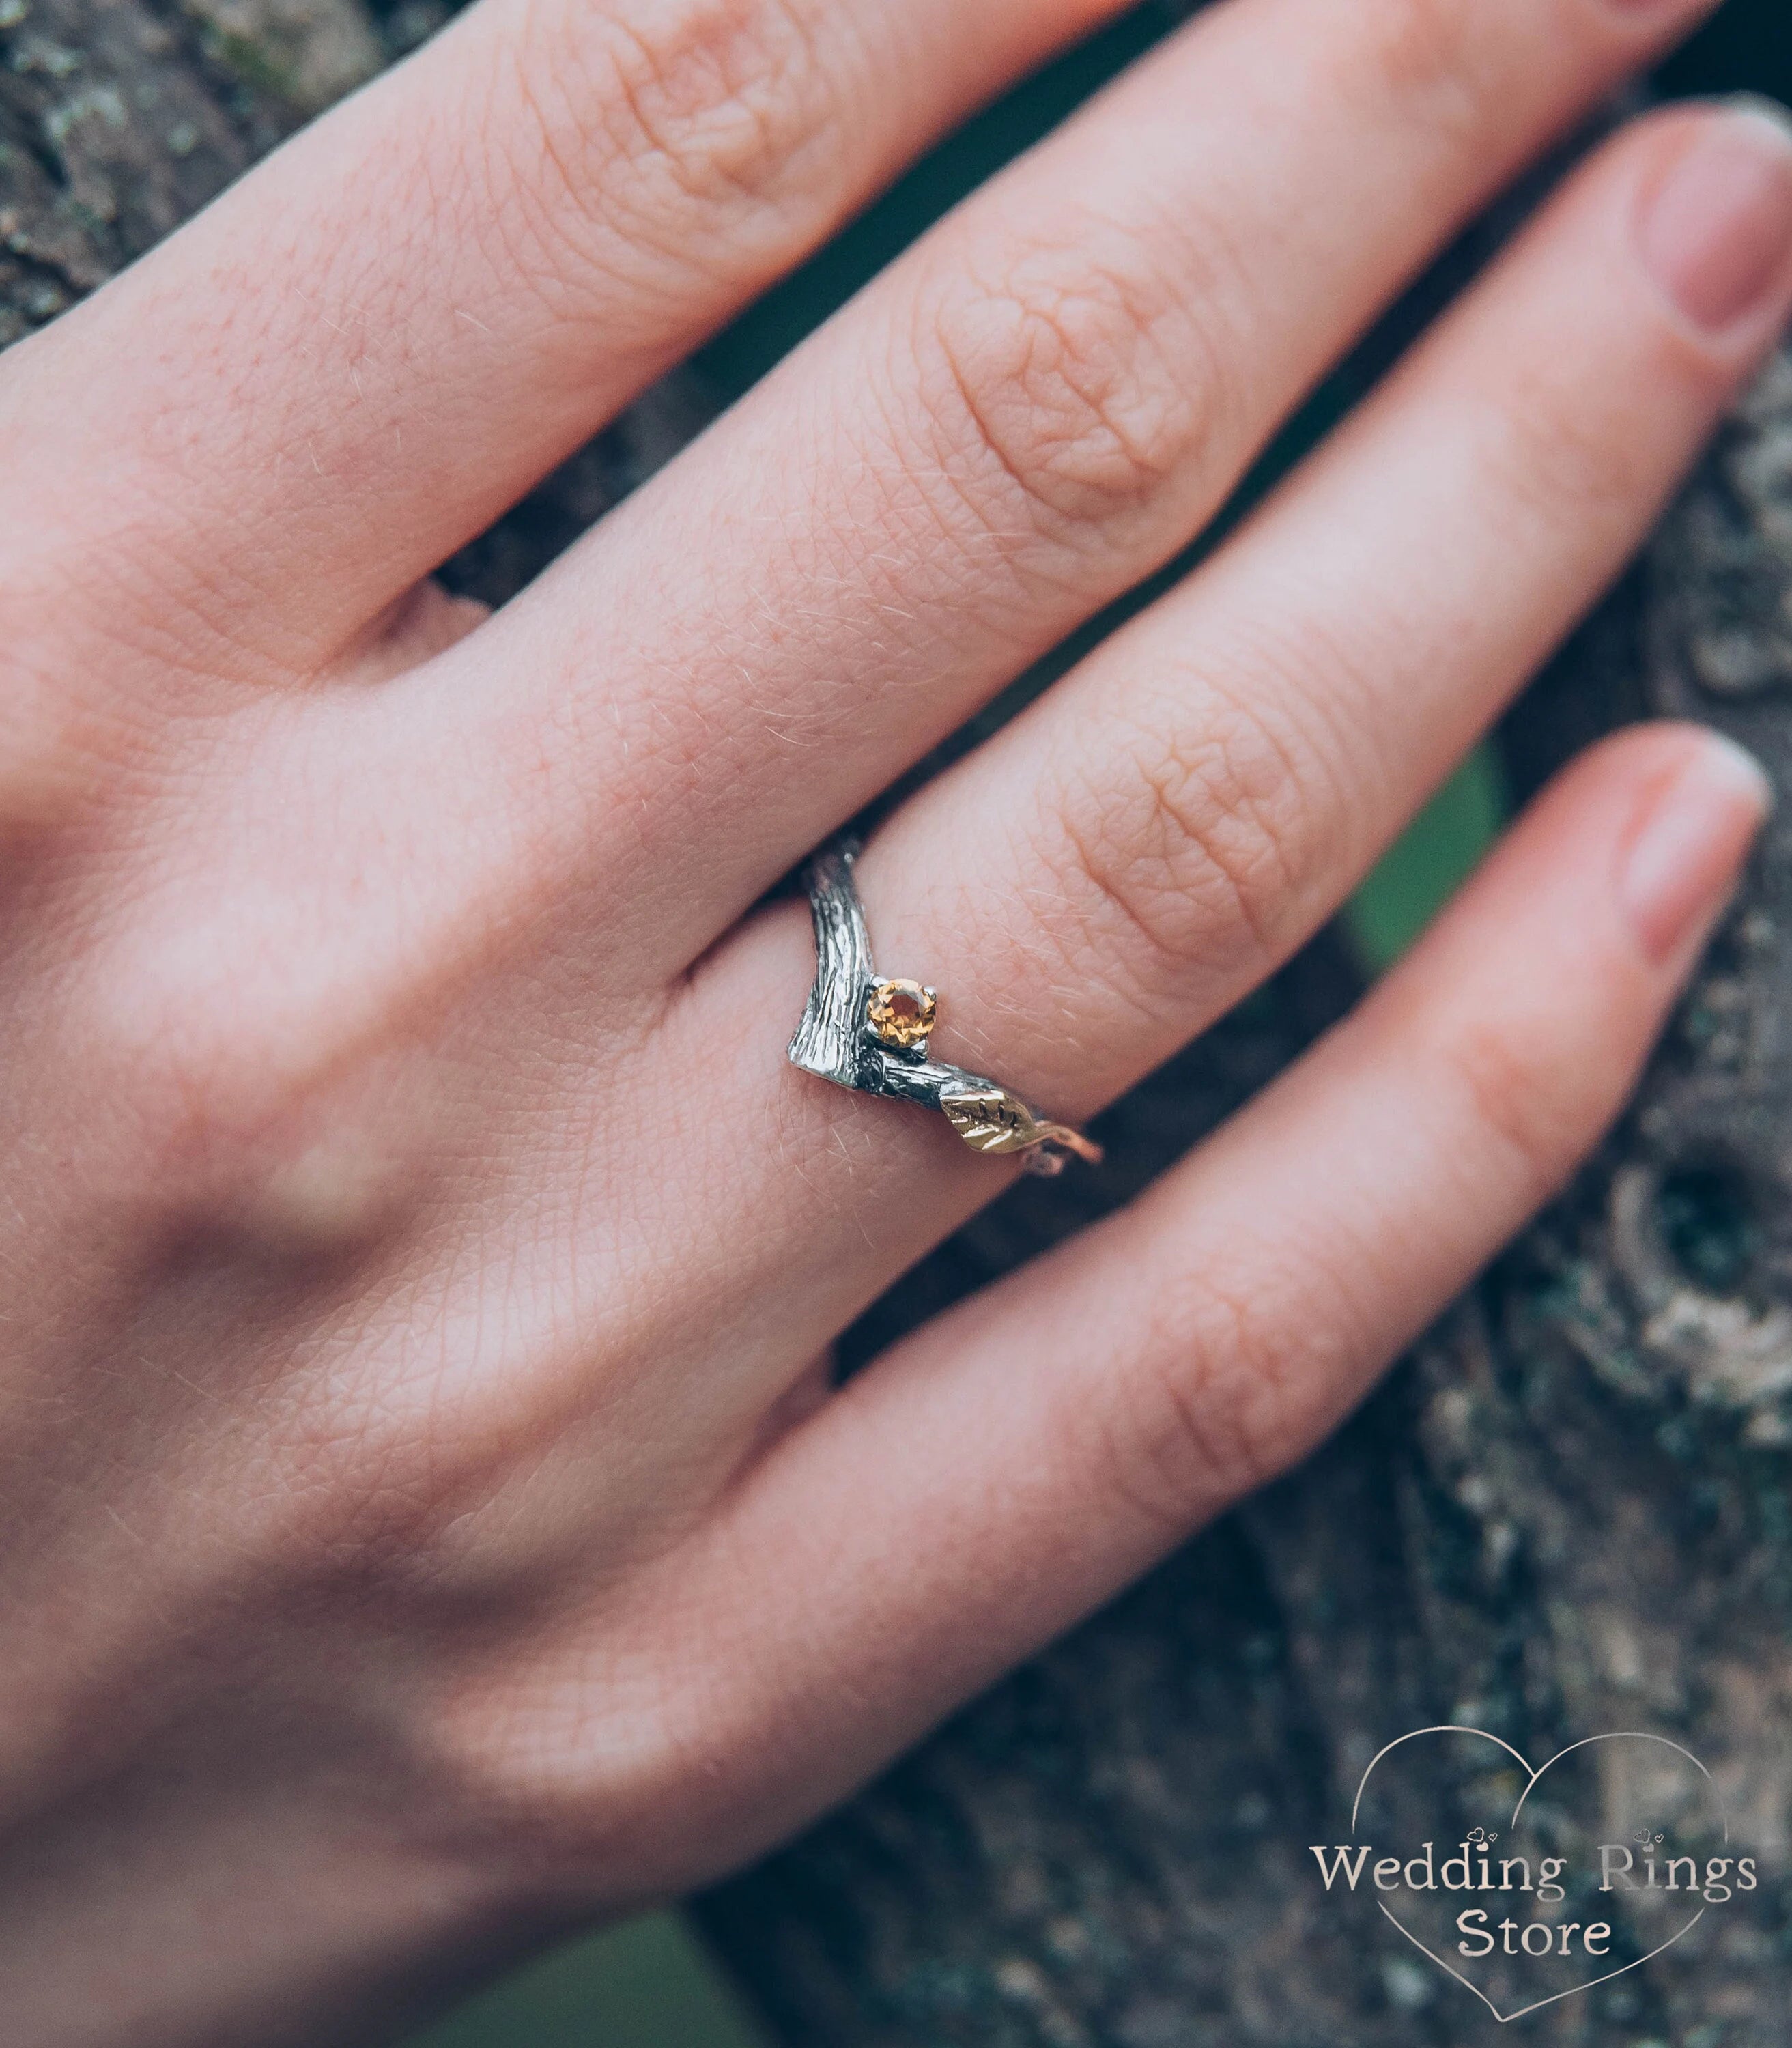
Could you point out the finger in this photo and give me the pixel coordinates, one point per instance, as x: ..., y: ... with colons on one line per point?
x: 355, y: 359
x: 1010, y: 1467
x: 1153, y: 838
x: 1040, y: 404
x: 1125, y: 862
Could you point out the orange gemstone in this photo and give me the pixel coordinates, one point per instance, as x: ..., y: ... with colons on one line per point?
x: 900, y: 1014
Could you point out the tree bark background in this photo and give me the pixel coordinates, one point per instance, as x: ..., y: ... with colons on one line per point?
x: 1568, y: 1512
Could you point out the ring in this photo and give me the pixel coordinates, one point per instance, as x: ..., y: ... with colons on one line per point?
x: 862, y: 1032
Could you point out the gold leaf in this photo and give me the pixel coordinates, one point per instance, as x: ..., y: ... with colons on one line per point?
x: 991, y: 1120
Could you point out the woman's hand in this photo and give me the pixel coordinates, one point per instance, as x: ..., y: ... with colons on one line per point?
x: 425, y: 1511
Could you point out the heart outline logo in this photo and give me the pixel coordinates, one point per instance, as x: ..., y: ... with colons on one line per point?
x: 1531, y: 1777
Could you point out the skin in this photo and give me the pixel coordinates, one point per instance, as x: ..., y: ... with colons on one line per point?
x: 427, y: 1517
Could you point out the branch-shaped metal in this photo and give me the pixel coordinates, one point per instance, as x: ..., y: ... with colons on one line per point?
x: 838, y: 1041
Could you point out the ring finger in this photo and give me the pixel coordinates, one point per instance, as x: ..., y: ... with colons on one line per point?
x: 1207, y: 787
x: 1127, y: 859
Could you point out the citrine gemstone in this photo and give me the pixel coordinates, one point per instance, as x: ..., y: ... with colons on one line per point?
x: 900, y: 1014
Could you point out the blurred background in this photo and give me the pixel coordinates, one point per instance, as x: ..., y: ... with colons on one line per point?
x: 649, y: 1985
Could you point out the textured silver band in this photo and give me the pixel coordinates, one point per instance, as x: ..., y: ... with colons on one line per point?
x: 837, y: 1039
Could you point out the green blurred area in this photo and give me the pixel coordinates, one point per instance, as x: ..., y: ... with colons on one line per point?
x: 649, y: 1984
x: 646, y: 1984
x: 1437, y: 853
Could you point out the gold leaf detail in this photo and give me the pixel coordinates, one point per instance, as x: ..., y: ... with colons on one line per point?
x: 992, y: 1120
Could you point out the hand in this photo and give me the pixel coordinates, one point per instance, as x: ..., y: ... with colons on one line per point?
x: 426, y: 1515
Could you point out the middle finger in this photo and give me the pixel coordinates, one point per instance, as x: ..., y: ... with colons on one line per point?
x: 1128, y: 859
x: 1040, y: 404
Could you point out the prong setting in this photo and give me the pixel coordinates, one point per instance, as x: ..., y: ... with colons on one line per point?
x: 901, y: 1014
x: 862, y: 1031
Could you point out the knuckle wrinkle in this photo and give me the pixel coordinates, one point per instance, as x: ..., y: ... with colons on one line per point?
x: 1060, y: 391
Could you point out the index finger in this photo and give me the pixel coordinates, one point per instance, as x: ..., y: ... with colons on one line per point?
x: 354, y: 361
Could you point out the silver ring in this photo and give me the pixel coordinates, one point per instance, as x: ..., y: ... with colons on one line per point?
x: 861, y: 1031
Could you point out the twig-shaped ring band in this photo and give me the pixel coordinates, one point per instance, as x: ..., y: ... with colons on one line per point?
x: 862, y: 1032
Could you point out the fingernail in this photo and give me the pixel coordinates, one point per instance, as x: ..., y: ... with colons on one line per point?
x: 1687, y: 851
x: 1717, y: 230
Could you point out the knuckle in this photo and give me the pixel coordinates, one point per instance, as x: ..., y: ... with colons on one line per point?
x: 1197, y: 854
x: 1067, y: 390
x: 247, y: 1113
x: 1208, y: 1418
x: 722, y: 110
x: 1533, y: 1115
